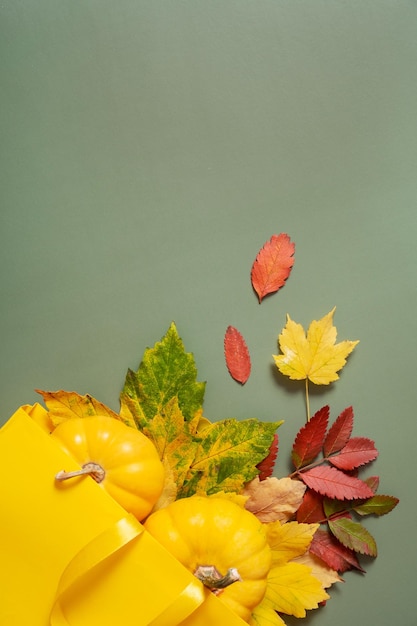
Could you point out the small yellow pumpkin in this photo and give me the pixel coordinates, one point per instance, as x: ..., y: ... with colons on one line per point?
x: 120, y: 458
x: 221, y: 543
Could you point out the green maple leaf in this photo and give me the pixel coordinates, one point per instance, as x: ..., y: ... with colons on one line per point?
x: 166, y: 371
x: 227, y: 454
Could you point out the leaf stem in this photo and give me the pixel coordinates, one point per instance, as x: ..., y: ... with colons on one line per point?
x: 307, y: 402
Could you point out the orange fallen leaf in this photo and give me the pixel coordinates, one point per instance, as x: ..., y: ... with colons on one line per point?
x: 272, y: 265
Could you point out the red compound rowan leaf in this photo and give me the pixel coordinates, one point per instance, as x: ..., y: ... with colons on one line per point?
x: 358, y: 451
x: 339, y: 432
x: 334, y: 483
x: 272, y: 265
x: 309, y: 440
x: 237, y: 355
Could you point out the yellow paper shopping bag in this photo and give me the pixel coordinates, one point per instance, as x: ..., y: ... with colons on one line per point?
x: 72, y: 556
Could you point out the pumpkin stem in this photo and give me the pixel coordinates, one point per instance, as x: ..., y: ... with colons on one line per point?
x: 92, y: 469
x: 212, y: 578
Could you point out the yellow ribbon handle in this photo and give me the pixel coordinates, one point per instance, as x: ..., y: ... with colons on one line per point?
x: 185, y: 604
x: 102, y: 547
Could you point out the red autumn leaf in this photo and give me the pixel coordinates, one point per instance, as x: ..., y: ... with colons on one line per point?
x: 311, y: 509
x: 266, y: 467
x: 272, y: 265
x: 309, y: 440
x: 237, y: 355
x: 358, y: 451
x: 334, y: 483
x: 339, y: 432
x: 333, y: 553
x: 353, y: 536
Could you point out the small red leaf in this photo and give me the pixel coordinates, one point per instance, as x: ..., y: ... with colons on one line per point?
x: 333, y: 553
x: 333, y: 483
x: 237, y: 355
x: 339, y: 432
x: 272, y: 265
x: 358, y: 451
x: 311, y: 509
x: 309, y: 440
x: 353, y: 536
x: 266, y: 467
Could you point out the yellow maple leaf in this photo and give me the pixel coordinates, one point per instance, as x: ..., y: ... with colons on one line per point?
x: 292, y: 587
x: 315, y: 355
x: 265, y: 615
x: 290, y: 540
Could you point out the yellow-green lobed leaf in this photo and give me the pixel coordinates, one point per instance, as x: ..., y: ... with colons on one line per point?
x: 227, y: 454
x: 63, y: 405
x: 166, y: 371
x: 173, y: 440
x: 164, y: 400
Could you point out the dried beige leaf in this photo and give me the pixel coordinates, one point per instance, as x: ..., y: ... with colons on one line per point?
x: 274, y: 499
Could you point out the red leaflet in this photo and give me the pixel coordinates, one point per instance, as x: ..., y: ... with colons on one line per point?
x: 339, y: 432
x: 358, y: 451
x: 272, y: 265
x: 237, y: 355
x: 333, y: 553
x: 309, y: 440
x: 266, y: 467
x: 311, y: 510
x: 333, y: 483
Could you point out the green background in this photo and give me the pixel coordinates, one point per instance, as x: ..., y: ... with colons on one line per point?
x: 150, y: 148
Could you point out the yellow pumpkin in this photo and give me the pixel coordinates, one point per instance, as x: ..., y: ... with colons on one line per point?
x: 221, y: 543
x: 121, y: 459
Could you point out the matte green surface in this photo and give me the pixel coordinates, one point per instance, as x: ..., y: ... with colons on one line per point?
x: 150, y: 148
